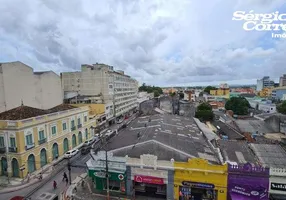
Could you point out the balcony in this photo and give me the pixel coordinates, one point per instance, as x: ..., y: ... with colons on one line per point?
x: 42, y: 141
x: 79, y: 125
x: 73, y: 128
x: 13, y: 149
x: 2, y: 149
x: 30, y: 146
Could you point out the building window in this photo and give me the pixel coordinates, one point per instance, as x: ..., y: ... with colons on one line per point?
x: 85, y: 118
x: 29, y: 140
x: 72, y: 123
x: 78, y: 121
x: 41, y: 135
x: 64, y: 126
x: 54, y: 130
x: 2, y: 143
x: 12, y: 142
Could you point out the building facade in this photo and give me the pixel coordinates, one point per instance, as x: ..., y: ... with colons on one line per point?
x: 197, y: 179
x: 278, y: 93
x: 18, y: 83
x: 265, y: 92
x: 264, y: 82
x: 100, y: 83
x: 28, y: 144
x: 282, y: 80
x: 248, y: 182
x: 277, y: 183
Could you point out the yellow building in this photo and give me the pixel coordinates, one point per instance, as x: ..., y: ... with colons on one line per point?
x: 30, y: 138
x: 265, y: 92
x: 221, y: 92
x: 197, y: 177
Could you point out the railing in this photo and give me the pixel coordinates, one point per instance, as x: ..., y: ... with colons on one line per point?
x: 30, y: 146
x: 42, y: 141
x: 73, y: 128
x: 79, y: 125
x: 2, y: 149
x: 13, y: 149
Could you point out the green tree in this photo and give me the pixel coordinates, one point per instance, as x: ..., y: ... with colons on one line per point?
x: 204, y: 112
x: 209, y: 88
x: 172, y: 94
x: 156, y: 93
x: 239, y: 105
x: 150, y: 89
x: 282, y: 107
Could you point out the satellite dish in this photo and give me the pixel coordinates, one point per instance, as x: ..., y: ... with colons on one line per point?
x: 172, y: 160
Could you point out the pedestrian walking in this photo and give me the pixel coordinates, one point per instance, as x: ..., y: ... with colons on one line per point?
x: 28, y: 177
x: 65, y: 176
x: 55, y: 185
x: 67, y: 181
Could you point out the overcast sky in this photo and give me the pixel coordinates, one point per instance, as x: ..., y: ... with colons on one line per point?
x: 159, y: 42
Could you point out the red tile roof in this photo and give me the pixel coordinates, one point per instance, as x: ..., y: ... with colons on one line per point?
x: 25, y: 112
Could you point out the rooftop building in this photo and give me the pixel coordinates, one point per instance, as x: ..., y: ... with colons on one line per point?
x: 282, y: 81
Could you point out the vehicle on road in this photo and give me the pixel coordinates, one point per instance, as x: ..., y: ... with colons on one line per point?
x: 71, y: 153
x: 85, y: 150
x: 109, y: 131
x: 89, y: 142
x: 48, y: 196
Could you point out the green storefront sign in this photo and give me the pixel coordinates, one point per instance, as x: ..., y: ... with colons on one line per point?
x: 117, y: 181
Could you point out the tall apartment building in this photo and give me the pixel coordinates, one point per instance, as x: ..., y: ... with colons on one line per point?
x: 264, y: 82
x: 282, y: 81
x: 18, y: 83
x: 100, y: 83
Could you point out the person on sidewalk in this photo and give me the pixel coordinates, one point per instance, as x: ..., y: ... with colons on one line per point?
x: 55, y: 185
x: 67, y: 181
x: 65, y: 176
x: 28, y: 177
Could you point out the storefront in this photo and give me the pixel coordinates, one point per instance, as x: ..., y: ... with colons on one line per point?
x: 116, y: 173
x: 149, y: 177
x: 277, y: 186
x: 199, y: 180
x: 247, y: 182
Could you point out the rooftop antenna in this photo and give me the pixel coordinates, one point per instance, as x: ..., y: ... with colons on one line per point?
x: 22, y: 104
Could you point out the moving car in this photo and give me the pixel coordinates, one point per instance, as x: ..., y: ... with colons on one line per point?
x: 71, y: 153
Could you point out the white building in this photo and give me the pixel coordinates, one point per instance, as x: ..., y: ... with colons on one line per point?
x: 264, y: 82
x: 100, y: 83
x: 18, y: 83
x: 267, y: 108
x: 277, y: 183
x: 282, y: 80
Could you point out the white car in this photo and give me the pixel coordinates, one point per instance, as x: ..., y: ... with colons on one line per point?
x: 109, y: 131
x: 88, y: 142
x: 71, y: 153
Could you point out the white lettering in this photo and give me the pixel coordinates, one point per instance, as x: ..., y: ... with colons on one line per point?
x: 280, y: 17
x: 245, y: 25
x: 238, y: 15
x: 260, y: 27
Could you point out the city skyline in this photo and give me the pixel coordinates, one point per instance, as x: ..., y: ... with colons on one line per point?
x: 163, y: 51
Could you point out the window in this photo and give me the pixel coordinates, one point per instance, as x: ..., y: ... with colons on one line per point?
x: 41, y: 135
x: 78, y: 121
x: 64, y: 126
x: 54, y: 130
x: 85, y: 118
x: 72, y: 123
x: 2, y: 144
x: 29, y: 139
x: 12, y: 142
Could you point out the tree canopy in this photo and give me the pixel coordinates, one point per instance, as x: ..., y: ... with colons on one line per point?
x: 239, y: 105
x: 149, y: 89
x: 204, y: 112
x: 209, y: 88
x: 172, y: 94
x: 282, y: 108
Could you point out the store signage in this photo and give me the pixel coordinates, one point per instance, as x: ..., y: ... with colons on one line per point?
x: 100, y: 174
x: 278, y: 186
x: 149, y: 179
x: 198, y: 185
x: 120, y: 177
x: 250, y: 191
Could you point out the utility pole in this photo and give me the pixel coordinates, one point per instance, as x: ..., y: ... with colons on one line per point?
x: 106, y: 174
x: 69, y: 168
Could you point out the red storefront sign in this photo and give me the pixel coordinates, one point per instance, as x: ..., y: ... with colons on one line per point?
x: 149, y: 179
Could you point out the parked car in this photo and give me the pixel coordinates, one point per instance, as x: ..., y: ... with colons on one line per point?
x: 88, y: 142
x: 85, y: 150
x: 109, y: 131
x: 71, y: 153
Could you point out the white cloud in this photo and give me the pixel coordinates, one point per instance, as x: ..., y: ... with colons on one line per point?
x: 160, y: 42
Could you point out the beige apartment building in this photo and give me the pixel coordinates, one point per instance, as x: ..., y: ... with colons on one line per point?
x: 282, y: 81
x: 101, y: 84
x: 19, y: 83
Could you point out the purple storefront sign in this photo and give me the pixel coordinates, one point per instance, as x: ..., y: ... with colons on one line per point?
x: 246, y: 182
